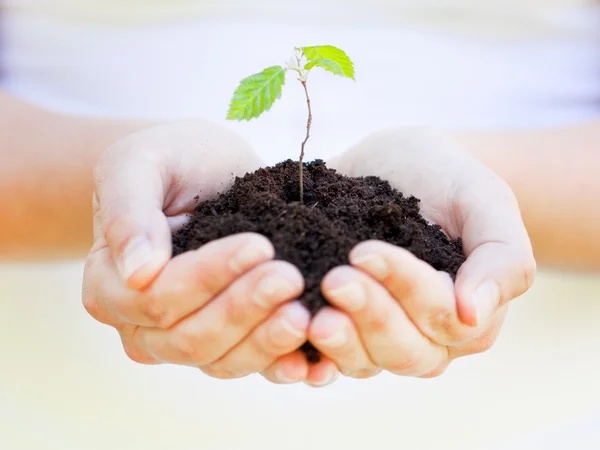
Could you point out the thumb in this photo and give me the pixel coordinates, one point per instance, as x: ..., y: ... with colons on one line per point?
x: 500, y: 265
x: 493, y: 275
x: 128, y: 214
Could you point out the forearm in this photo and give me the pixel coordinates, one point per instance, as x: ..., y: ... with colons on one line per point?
x: 46, y: 170
x: 555, y: 175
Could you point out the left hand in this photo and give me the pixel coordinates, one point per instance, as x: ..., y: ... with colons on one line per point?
x: 395, y: 312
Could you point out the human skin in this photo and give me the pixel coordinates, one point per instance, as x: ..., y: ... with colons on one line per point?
x: 48, y: 178
x: 48, y: 159
x: 206, y: 309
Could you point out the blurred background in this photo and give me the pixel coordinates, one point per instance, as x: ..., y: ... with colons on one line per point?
x: 454, y: 64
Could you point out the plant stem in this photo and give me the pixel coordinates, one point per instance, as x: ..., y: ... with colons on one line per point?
x: 308, y: 124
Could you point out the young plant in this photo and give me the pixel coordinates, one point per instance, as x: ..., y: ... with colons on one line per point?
x: 257, y: 93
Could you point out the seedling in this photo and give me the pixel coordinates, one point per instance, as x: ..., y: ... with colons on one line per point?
x: 343, y: 211
x: 257, y: 93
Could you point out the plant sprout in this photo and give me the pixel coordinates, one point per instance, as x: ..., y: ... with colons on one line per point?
x: 257, y: 93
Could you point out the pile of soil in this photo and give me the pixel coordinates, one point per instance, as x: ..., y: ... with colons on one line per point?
x: 338, y: 213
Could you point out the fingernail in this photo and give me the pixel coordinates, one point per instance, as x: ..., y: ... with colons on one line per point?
x: 249, y: 256
x: 336, y: 340
x: 352, y: 296
x: 271, y: 287
x: 137, y: 254
x: 486, y: 300
x: 330, y: 378
x: 287, y: 326
x: 372, y: 263
x: 294, y: 322
x: 282, y: 378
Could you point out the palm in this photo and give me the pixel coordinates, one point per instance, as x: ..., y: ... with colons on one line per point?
x: 424, y: 164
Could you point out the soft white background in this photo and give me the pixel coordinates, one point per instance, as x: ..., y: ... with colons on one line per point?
x: 64, y: 382
x: 65, y: 385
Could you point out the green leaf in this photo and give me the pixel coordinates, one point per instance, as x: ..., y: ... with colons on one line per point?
x: 327, y: 64
x: 256, y: 94
x: 330, y: 58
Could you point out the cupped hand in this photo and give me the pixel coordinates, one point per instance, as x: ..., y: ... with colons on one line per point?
x: 227, y: 308
x: 391, y: 311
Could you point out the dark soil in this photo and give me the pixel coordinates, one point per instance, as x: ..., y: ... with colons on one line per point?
x: 338, y: 213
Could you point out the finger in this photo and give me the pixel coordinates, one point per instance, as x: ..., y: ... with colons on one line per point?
x: 132, y: 349
x: 494, y: 274
x: 186, y: 283
x: 322, y: 374
x: 130, y: 188
x: 96, y: 277
x: 392, y: 341
x: 500, y: 265
x: 484, y: 341
x: 480, y: 344
x: 427, y: 295
x: 281, y: 334
x: 288, y: 369
x: 437, y: 371
x: 222, y: 374
x: 206, y: 335
x: 333, y: 333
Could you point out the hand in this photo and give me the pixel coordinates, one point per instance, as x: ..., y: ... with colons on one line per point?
x: 227, y: 307
x: 393, y: 311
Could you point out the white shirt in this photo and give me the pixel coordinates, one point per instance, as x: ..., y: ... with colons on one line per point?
x: 79, y: 58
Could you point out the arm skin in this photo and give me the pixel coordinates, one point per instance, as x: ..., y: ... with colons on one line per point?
x: 46, y: 187
x: 555, y: 175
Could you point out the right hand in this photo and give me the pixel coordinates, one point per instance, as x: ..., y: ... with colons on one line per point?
x: 227, y: 307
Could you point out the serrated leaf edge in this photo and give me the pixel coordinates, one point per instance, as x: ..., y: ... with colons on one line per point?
x: 245, y: 115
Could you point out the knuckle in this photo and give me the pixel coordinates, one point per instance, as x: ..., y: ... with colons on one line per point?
x: 361, y: 373
x: 119, y: 228
x: 220, y: 373
x: 237, y: 309
x: 529, y: 270
x: 442, y: 320
x: 156, y: 311
x: 188, y: 348
x: 136, y: 355
x: 408, y: 365
x: 351, y: 354
x: 484, y: 343
x: 209, y: 278
x: 121, y: 306
x: 444, y: 327
x: 91, y: 304
x: 377, y: 319
x: 436, y: 372
x: 521, y: 274
x: 88, y: 298
x: 402, y: 287
x: 111, y: 224
x: 191, y: 346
